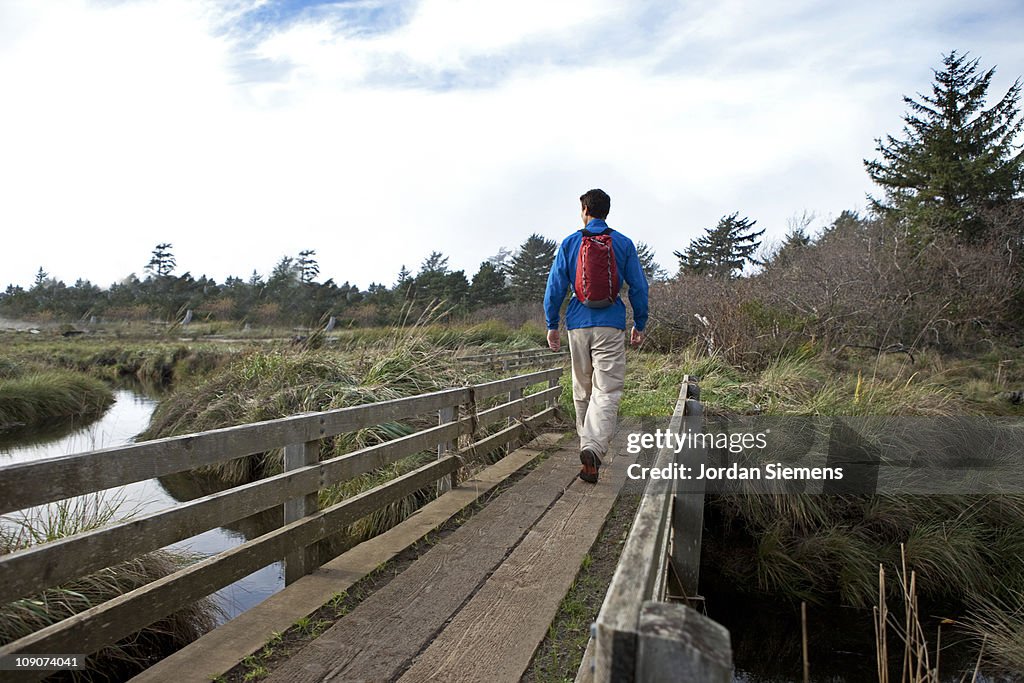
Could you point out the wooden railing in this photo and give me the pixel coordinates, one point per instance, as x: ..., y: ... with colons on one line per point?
x: 34, y: 569
x: 644, y: 632
x: 510, y: 360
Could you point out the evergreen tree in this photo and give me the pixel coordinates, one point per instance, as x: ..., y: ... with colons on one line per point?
x: 285, y: 271
x: 796, y: 241
x: 307, y: 266
x: 723, y: 250
x: 488, y: 287
x: 528, y: 271
x: 41, y: 277
x: 501, y: 261
x: 957, y: 158
x: 430, y: 283
x: 404, y: 277
x: 651, y: 269
x: 162, y: 262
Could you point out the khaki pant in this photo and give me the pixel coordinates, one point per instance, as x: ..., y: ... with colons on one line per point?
x: 598, y: 375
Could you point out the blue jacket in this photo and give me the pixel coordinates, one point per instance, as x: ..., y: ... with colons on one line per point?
x: 563, y: 274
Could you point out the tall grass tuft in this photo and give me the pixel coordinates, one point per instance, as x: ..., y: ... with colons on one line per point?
x: 38, y: 398
x: 32, y: 613
x: 998, y: 623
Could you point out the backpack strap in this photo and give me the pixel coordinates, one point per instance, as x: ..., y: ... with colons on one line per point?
x: 587, y: 233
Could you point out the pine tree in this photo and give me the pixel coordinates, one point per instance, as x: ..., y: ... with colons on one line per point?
x: 651, y: 269
x: 430, y: 281
x: 307, y: 266
x: 162, y: 262
x: 957, y: 158
x: 528, y: 271
x: 488, y: 287
x: 723, y: 250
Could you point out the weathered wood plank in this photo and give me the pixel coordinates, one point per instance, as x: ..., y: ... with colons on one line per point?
x: 506, y: 354
x: 23, y: 485
x: 484, y: 446
x: 227, y: 645
x: 676, y: 640
x: 494, y: 636
x: 378, y: 638
x: 503, y: 386
x: 688, y: 508
x: 107, y: 623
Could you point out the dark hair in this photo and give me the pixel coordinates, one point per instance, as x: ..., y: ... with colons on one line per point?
x: 597, y: 203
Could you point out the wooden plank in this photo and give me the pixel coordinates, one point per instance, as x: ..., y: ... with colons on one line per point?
x: 33, y: 569
x: 227, y: 645
x: 505, y: 436
x: 494, y: 636
x: 503, y: 386
x: 302, y: 561
x: 688, y: 507
x: 677, y: 642
x: 378, y: 638
x: 505, y: 354
x: 23, y: 485
x: 585, y: 674
x: 107, y: 623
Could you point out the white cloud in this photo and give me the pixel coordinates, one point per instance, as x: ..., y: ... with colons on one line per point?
x: 465, y: 129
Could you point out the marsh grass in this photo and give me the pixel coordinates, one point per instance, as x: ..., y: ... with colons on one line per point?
x: 826, y: 549
x: 37, y: 398
x: 270, y: 384
x: 997, y: 624
x: 35, y: 612
x: 153, y: 361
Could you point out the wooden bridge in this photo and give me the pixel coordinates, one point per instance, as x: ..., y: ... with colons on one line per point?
x: 473, y: 607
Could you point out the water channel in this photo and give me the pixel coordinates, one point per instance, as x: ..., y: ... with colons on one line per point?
x: 127, y: 417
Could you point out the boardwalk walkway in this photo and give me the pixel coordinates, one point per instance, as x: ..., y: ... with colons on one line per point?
x: 476, y: 605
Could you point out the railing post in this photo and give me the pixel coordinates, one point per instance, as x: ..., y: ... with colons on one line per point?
x: 679, y: 643
x: 304, y: 560
x: 515, y: 395
x: 551, y: 402
x: 444, y: 416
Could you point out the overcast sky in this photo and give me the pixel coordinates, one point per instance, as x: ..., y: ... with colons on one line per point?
x: 375, y: 132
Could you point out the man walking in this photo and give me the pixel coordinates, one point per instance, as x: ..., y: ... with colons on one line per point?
x: 594, y: 262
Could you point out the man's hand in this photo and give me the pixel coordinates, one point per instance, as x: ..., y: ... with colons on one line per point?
x: 554, y: 340
x: 636, y: 337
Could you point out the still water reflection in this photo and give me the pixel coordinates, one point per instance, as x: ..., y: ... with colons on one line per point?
x: 127, y: 417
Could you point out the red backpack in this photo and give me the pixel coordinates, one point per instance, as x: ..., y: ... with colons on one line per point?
x: 597, y: 278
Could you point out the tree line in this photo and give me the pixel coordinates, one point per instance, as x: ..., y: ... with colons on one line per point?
x: 292, y: 294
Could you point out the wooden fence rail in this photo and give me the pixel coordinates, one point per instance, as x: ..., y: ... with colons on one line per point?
x: 34, y: 569
x: 511, y: 360
x: 639, y: 634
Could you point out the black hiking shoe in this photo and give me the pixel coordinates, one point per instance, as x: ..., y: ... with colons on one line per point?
x: 591, y: 465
